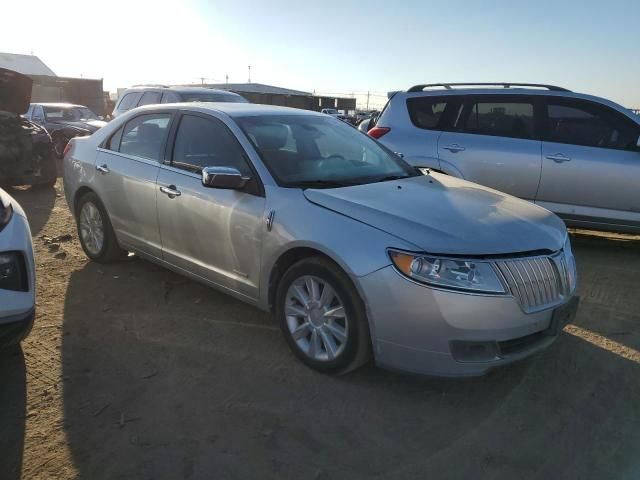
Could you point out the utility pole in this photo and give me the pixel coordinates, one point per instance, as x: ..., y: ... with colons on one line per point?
x: 249, y: 81
x: 368, y: 100
x: 202, y: 80
x: 226, y: 78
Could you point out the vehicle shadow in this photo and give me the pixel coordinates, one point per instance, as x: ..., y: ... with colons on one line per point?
x: 37, y: 202
x: 165, y: 378
x: 13, y: 393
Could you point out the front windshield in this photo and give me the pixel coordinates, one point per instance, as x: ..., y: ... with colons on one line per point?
x: 213, y: 97
x: 317, y: 151
x: 69, y: 114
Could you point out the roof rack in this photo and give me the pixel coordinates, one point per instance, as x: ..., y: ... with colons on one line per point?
x: 447, y: 86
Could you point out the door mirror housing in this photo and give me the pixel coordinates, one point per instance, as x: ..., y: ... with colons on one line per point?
x: 223, y: 177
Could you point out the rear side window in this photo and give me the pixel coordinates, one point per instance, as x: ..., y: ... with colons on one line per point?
x: 426, y: 112
x: 150, y: 98
x: 498, y: 118
x: 129, y: 101
x: 589, y: 124
x: 170, y: 97
x: 202, y: 142
x: 145, y: 135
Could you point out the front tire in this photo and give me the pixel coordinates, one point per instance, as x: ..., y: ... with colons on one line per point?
x: 95, y: 232
x: 322, y: 316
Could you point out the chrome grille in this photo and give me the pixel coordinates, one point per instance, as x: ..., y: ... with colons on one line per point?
x: 537, y: 282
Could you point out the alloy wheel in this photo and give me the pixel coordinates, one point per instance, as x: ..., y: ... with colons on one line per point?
x: 91, y: 228
x: 316, y: 318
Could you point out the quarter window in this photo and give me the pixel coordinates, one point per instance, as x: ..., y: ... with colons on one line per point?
x: 202, y: 142
x: 503, y: 119
x: 589, y: 124
x: 129, y: 101
x: 150, y: 98
x: 144, y: 136
x: 426, y: 112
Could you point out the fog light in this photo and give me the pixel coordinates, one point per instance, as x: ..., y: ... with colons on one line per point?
x: 464, y: 351
x: 12, y: 272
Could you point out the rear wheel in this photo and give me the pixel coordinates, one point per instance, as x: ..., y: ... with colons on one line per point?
x: 95, y: 231
x: 322, y: 316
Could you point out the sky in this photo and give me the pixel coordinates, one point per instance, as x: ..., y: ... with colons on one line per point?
x: 336, y: 47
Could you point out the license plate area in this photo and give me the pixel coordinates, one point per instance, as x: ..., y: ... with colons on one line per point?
x: 563, y: 314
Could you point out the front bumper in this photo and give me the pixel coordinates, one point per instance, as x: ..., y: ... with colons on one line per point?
x: 14, y: 329
x: 415, y: 328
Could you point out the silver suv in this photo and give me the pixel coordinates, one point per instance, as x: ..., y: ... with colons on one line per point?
x: 153, y: 94
x: 575, y: 154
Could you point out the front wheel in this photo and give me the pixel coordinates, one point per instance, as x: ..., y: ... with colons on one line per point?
x: 95, y: 231
x: 322, y: 316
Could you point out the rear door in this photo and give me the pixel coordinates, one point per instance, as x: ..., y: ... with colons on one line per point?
x: 495, y: 141
x: 128, y: 165
x: 213, y: 233
x: 591, y: 163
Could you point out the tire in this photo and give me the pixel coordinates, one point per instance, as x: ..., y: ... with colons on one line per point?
x: 327, y: 355
x: 91, y: 212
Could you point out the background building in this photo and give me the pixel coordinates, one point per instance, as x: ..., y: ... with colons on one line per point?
x: 48, y: 87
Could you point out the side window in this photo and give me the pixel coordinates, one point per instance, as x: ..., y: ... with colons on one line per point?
x: 150, y: 98
x: 426, y: 112
x: 144, y: 136
x: 29, y: 112
x: 202, y: 142
x: 498, y: 118
x: 114, y: 141
x: 588, y: 124
x: 129, y: 101
x: 170, y: 97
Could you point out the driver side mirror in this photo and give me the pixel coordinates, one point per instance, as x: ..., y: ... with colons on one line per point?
x: 223, y: 177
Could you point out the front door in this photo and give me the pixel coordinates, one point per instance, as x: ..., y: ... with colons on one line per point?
x: 494, y: 142
x: 591, y: 164
x: 213, y: 233
x: 127, y: 168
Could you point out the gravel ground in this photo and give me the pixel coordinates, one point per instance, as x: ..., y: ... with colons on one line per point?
x: 134, y: 372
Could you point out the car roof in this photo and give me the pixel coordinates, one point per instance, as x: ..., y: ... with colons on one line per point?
x: 59, y: 105
x: 233, y: 109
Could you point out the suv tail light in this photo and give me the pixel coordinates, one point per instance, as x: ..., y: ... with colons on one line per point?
x: 377, y: 132
x: 67, y: 147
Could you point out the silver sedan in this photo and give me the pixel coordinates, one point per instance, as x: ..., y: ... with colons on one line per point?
x: 358, y: 255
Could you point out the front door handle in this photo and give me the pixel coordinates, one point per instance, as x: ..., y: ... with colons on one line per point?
x: 171, y: 191
x: 454, y: 148
x: 559, y: 158
x: 102, y: 168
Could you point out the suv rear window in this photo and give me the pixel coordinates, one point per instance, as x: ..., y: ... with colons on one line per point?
x: 129, y: 101
x: 498, y: 118
x: 426, y: 112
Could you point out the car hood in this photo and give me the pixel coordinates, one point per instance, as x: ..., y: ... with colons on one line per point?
x: 15, y: 91
x: 445, y: 215
x: 91, y: 125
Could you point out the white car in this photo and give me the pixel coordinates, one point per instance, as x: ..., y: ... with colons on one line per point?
x: 333, y: 112
x: 17, y: 273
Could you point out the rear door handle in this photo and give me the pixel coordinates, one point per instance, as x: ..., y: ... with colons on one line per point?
x: 559, y: 158
x: 102, y: 168
x: 454, y: 148
x: 171, y: 191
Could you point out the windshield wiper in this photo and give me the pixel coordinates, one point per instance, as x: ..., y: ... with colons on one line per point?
x: 323, y: 184
x: 392, y: 177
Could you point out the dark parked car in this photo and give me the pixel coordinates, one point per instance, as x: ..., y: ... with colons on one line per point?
x: 153, y: 94
x: 64, y: 121
x: 26, y: 149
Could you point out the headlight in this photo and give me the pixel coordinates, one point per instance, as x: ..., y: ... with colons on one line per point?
x: 6, y: 212
x: 452, y: 273
x: 12, y: 272
x: 571, y: 264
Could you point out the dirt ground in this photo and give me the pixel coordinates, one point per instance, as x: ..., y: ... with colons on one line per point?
x: 133, y: 372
